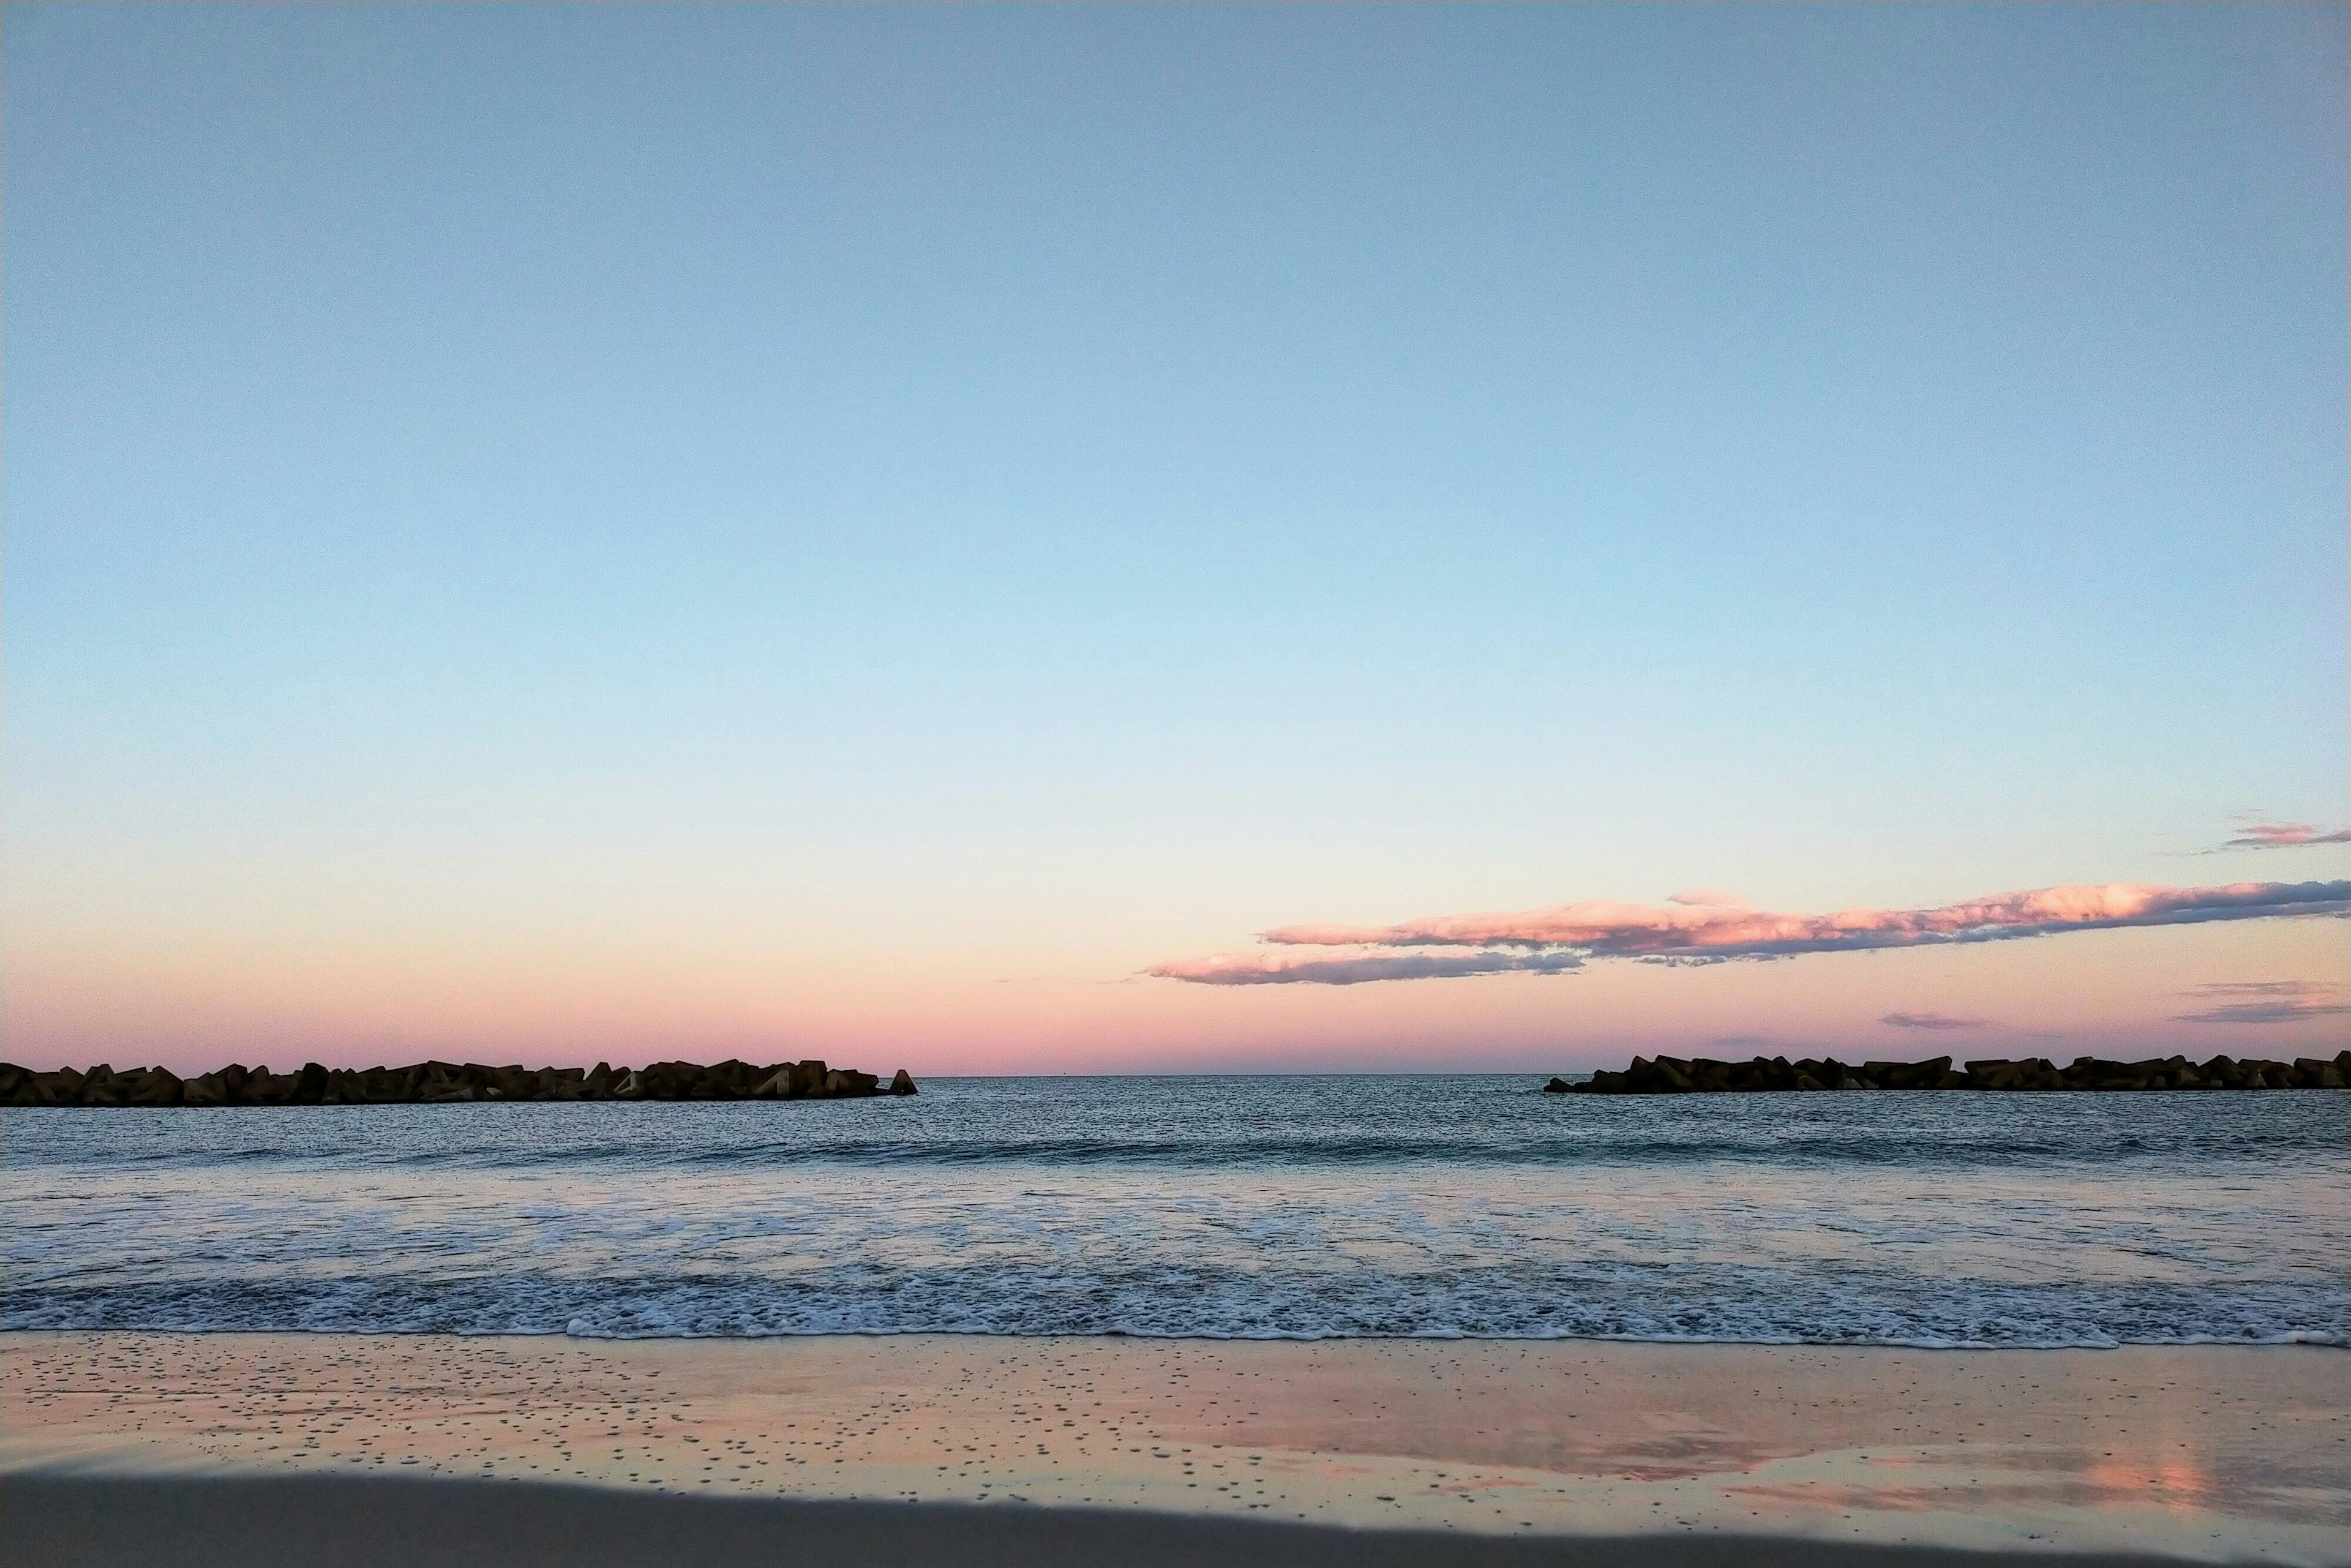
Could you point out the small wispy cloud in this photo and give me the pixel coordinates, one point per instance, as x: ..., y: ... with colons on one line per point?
x: 2267, y: 1001
x: 1564, y: 936
x: 1932, y: 1020
x: 2256, y: 831
x: 1708, y: 898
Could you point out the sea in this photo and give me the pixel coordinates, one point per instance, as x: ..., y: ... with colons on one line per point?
x: 1241, y: 1207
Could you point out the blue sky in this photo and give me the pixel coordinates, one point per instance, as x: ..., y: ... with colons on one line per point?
x: 842, y: 510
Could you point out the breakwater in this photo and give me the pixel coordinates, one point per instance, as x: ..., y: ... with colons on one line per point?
x: 443, y: 1082
x: 1676, y: 1075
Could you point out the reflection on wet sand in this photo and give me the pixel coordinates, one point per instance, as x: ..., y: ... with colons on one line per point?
x: 2203, y: 1451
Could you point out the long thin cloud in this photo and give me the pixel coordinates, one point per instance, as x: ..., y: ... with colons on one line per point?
x: 1564, y: 936
x: 1284, y: 968
x: 2263, y: 835
x: 2267, y: 1001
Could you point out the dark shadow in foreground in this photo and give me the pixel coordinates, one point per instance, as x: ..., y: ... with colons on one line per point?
x: 335, y: 1521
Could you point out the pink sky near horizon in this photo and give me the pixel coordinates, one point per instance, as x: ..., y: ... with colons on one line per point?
x: 561, y: 999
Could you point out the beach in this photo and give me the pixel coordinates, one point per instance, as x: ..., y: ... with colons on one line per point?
x: 1434, y: 1319
x: 1123, y: 785
x: 968, y: 1448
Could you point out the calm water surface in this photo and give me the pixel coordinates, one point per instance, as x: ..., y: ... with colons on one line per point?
x: 1253, y: 1207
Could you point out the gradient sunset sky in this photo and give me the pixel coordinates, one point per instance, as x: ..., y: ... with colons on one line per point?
x: 983, y: 538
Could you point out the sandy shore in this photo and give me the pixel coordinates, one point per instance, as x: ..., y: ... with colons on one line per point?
x: 352, y: 1522
x: 1468, y: 1451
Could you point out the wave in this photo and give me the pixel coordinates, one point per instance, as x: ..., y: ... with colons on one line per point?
x: 2058, y: 1149
x: 1774, y: 1307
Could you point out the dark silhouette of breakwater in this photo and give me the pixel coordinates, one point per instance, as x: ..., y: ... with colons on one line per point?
x: 1675, y: 1075
x: 442, y: 1083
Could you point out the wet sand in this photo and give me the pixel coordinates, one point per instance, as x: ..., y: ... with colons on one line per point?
x: 353, y: 1523
x: 1475, y: 1450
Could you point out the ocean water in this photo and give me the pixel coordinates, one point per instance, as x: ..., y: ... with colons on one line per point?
x: 1248, y: 1207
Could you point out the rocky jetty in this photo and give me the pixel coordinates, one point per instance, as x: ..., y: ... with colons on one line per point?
x: 442, y: 1083
x: 1675, y: 1075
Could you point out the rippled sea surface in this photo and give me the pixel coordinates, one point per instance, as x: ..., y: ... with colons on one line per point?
x: 1255, y: 1208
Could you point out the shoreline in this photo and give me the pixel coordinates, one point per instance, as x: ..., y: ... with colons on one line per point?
x: 2193, y: 1453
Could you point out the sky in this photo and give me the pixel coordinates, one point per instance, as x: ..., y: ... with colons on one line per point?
x: 920, y: 536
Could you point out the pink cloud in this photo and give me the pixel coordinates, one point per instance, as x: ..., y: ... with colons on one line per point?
x: 1637, y: 930
x: 1566, y: 934
x: 2257, y: 835
x: 1932, y: 1020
